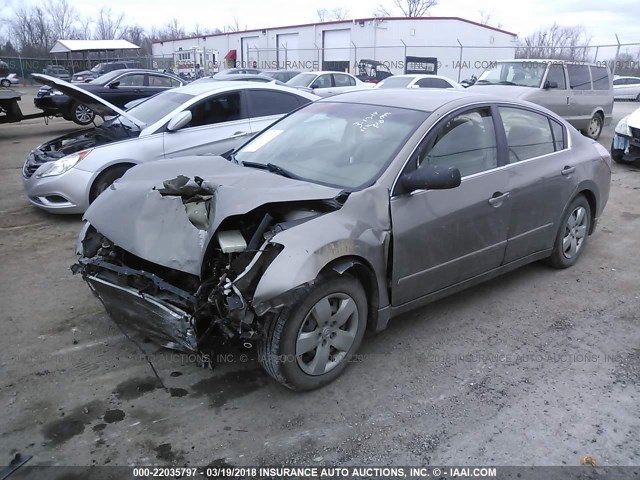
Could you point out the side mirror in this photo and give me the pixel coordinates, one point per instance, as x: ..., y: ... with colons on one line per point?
x: 114, y: 84
x: 550, y: 84
x: 314, y: 85
x: 431, y: 177
x: 179, y: 121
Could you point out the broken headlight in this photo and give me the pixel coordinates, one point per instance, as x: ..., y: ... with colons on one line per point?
x: 58, y: 167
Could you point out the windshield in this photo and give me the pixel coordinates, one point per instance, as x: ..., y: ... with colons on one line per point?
x: 152, y: 110
x: 106, y: 78
x: 302, y: 80
x: 395, y: 82
x: 524, y: 74
x: 344, y: 145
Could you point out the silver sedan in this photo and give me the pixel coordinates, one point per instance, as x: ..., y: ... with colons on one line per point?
x: 338, y: 218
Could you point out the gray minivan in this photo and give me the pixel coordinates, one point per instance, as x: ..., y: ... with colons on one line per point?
x: 581, y: 93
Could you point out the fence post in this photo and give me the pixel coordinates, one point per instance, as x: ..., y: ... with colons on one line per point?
x: 404, y: 60
x: 615, y: 61
x: 460, y: 61
x: 355, y: 58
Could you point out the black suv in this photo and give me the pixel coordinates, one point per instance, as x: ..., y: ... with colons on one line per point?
x: 102, y: 68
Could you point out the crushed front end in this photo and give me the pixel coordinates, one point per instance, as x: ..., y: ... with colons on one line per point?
x: 181, y: 310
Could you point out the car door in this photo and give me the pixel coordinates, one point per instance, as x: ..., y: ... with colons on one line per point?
x: 541, y: 179
x: 444, y: 237
x: 219, y: 123
x: 125, y: 88
x: 555, y: 99
x: 267, y: 106
x: 157, y: 83
x: 322, y: 85
x: 341, y: 83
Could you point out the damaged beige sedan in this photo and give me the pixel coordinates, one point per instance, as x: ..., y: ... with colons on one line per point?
x: 338, y: 217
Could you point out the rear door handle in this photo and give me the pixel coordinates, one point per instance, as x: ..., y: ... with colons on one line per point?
x: 498, y: 198
x: 567, y: 170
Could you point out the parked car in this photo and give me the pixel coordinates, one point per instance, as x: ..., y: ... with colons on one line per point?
x: 419, y: 81
x: 102, y: 68
x: 626, y: 139
x: 11, y: 79
x: 581, y: 93
x: 117, y: 87
x: 325, y: 84
x: 342, y: 215
x: 281, y: 75
x: 66, y: 174
x: 626, y: 88
x: 57, y: 71
x: 239, y: 77
x: 233, y: 71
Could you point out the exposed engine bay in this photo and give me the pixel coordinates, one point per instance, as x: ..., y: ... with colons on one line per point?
x: 182, y: 310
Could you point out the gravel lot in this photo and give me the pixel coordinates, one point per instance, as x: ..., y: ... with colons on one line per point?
x: 538, y: 367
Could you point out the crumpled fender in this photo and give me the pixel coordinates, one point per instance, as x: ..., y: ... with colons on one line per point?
x: 361, y: 228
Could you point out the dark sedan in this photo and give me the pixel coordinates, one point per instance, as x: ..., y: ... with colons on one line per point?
x: 117, y: 87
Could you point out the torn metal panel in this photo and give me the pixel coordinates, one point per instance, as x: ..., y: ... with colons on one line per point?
x: 157, y: 227
x: 361, y: 228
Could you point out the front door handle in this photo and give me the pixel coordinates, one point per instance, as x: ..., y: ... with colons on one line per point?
x: 239, y: 134
x: 567, y: 170
x: 497, y: 198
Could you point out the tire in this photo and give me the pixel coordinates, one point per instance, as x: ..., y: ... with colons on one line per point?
x: 105, y: 179
x: 286, y: 332
x: 81, y: 114
x: 5, y: 83
x: 594, y: 129
x: 571, y: 237
x: 638, y: 98
x: 617, y: 155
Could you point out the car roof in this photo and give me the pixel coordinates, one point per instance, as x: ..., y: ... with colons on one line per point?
x: 426, y: 100
x: 199, y: 88
x: 319, y: 72
x: 421, y: 75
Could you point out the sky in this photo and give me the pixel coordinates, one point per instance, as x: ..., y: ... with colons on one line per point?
x: 602, y: 19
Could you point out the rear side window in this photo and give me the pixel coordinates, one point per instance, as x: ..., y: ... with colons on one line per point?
x: 579, y: 77
x: 558, y: 135
x: 433, y: 83
x: 265, y: 102
x: 159, y: 81
x: 600, y: 77
x: 529, y: 134
x: 343, y: 80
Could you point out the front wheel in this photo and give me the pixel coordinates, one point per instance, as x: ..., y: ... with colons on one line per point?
x: 5, y: 83
x: 105, y: 179
x: 310, y: 343
x: 81, y: 114
x: 595, y: 127
x: 572, y: 235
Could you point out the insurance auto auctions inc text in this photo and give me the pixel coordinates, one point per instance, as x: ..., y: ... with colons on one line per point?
x: 376, y: 472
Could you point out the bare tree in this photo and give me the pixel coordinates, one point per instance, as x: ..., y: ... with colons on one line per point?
x: 31, y: 31
x: 235, y: 26
x: 556, y: 42
x: 63, y: 17
x: 109, y: 25
x: 486, y: 18
x: 326, y: 15
x: 408, y: 8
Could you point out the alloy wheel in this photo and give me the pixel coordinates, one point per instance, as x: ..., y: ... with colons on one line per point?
x: 83, y: 113
x: 575, y: 232
x: 327, y: 334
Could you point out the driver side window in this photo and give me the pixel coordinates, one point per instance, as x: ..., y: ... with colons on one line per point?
x: 466, y: 141
x: 323, y: 81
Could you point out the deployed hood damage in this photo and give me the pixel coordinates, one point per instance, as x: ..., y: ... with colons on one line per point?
x: 201, y: 251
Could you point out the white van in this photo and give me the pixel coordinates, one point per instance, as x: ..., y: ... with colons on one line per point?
x: 581, y: 93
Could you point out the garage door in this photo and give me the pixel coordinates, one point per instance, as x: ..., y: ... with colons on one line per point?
x: 336, y: 53
x: 249, y: 52
x: 287, y: 49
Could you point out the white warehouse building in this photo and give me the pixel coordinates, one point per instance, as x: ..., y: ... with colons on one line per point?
x: 449, y: 46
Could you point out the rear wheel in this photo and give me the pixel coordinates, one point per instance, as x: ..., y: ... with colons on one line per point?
x: 310, y: 343
x: 5, y: 82
x: 105, y: 179
x: 572, y: 235
x: 81, y: 114
x: 595, y: 127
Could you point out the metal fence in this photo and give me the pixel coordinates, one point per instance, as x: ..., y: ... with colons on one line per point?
x: 457, y: 61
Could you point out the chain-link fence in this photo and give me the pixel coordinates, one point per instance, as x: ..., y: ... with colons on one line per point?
x: 455, y: 61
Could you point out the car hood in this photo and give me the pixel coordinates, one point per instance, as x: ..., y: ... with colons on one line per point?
x: 137, y: 214
x: 77, y: 92
x: 508, y: 91
x: 633, y: 120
